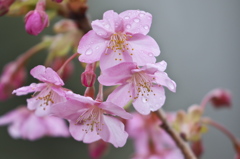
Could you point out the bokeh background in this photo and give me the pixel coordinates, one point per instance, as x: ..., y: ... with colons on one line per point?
x: 200, y: 41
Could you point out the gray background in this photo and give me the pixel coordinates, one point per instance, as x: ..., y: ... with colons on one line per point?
x: 200, y: 41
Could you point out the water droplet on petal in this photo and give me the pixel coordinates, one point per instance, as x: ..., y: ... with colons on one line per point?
x: 170, y: 84
x: 146, y: 27
x: 127, y: 17
x: 88, y: 52
x: 136, y: 20
x: 150, y: 54
x: 144, y: 100
x: 107, y: 26
x: 128, y: 26
x: 141, y: 14
x: 96, y: 47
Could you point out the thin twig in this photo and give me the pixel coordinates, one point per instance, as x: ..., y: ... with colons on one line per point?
x: 183, y: 146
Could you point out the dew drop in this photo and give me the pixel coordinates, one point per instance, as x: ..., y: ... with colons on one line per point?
x: 96, y: 47
x: 146, y: 27
x: 150, y: 54
x: 144, y: 100
x: 141, y: 14
x: 127, y: 17
x: 128, y: 26
x: 88, y: 52
x: 107, y: 26
x: 170, y: 84
x: 136, y: 20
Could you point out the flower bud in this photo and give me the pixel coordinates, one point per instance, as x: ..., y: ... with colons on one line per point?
x: 97, y: 149
x: 12, y: 78
x: 37, y: 20
x: 4, y: 6
x: 220, y: 98
x: 88, y: 77
x: 197, y: 148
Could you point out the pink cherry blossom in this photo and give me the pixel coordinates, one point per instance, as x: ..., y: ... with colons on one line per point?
x: 92, y: 120
x: 144, y: 85
x: 13, y: 76
x: 47, y: 93
x: 37, y: 20
x: 119, y: 38
x: 150, y: 141
x: 24, y: 124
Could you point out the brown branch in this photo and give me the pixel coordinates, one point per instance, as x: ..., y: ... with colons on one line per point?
x: 183, y: 146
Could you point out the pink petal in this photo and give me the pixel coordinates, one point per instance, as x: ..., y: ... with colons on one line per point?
x: 80, y: 135
x: 70, y: 110
x: 33, y: 128
x: 46, y: 75
x: 152, y: 68
x: 34, y: 104
x: 136, y: 22
x: 56, y: 126
x: 144, y: 44
x: 111, y: 58
x: 91, y: 47
x: 152, y: 102
x: 121, y: 96
x: 117, y: 74
x: 115, y: 110
x: 28, y: 89
x: 10, y: 117
x: 110, y: 24
x: 163, y: 79
x: 117, y: 136
x: 14, y: 130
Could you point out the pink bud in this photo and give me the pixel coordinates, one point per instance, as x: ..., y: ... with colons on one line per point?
x: 37, y: 20
x: 58, y: 1
x: 220, y: 98
x: 4, y: 6
x: 197, y: 148
x: 97, y: 149
x: 88, y: 77
x: 68, y: 69
x: 12, y: 78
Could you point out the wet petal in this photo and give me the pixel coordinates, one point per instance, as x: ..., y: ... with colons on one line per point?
x: 136, y: 22
x: 91, y: 47
x: 28, y: 89
x: 46, y: 75
x: 151, y: 102
x: 163, y: 79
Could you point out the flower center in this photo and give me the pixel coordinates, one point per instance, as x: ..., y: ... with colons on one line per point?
x: 118, y: 43
x: 142, y: 83
x: 92, y: 119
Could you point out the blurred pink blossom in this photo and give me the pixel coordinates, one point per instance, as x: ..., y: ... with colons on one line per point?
x: 24, y: 124
x: 97, y: 149
x: 92, y: 120
x: 118, y: 38
x: 46, y: 94
x: 144, y: 85
x: 13, y: 76
x: 150, y: 141
x: 4, y: 6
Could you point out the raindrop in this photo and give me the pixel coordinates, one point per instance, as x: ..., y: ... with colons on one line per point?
x: 136, y: 20
x: 141, y: 14
x: 144, y: 100
x: 146, y: 27
x: 150, y: 54
x: 127, y: 17
x: 96, y: 47
x: 128, y: 26
x: 107, y: 26
x: 88, y: 52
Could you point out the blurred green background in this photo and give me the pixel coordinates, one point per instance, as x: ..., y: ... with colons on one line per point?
x: 200, y: 41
